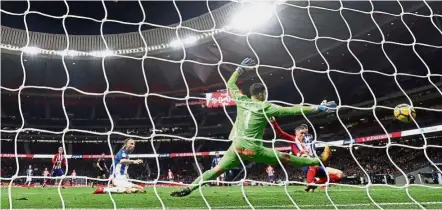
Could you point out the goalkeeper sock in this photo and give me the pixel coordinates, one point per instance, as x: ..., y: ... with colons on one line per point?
x: 311, y: 173
x: 208, y: 175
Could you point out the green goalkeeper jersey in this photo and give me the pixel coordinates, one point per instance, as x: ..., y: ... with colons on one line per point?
x: 248, y: 129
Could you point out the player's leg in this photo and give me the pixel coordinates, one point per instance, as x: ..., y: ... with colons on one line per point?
x: 221, y: 178
x: 119, y: 186
x: 310, y: 173
x: 272, y: 179
x: 137, y: 188
x: 228, y: 161
x: 335, y: 176
x: 59, y: 174
x: 270, y: 157
x: 28, y: 182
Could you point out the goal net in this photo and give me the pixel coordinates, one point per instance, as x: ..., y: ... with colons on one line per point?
x: 367, y: 56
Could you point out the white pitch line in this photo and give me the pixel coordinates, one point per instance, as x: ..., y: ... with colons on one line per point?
x: 284, y: 206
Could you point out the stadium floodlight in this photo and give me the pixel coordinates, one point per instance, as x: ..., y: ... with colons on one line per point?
x: 70, y: 53
x: 31, y: 50
x: 102, y: 53
x: 187, y: 41
x: 252, y: 16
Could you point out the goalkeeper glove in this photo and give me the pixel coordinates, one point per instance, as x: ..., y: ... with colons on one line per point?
x: 327, y: 106
x: 248, y: 62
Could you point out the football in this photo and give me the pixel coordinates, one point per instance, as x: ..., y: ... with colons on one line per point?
x: 404, y: 113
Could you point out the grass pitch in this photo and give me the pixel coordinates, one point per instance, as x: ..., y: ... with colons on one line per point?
x: 271, y: 197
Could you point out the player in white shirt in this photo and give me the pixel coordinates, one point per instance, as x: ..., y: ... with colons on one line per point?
x: 29, y: 172
x: 271, y: 174
x: 170, y: 176
x: 119, y: 174
x: 46, y: 174
x: 74, y: 178
x: 215, y: 162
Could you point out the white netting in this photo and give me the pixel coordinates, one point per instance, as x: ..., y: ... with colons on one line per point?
x: 273, y: 9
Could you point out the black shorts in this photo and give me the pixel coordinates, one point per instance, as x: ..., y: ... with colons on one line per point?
x: 101, y: 173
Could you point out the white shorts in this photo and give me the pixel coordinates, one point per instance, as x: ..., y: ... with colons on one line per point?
x: 122, y: 182
x: 28, y: 179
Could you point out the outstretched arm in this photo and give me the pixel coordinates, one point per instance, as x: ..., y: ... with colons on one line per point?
x: 277, y: 111
x: 231, y: 84
x: 234, y: 90
x: 280, y: 132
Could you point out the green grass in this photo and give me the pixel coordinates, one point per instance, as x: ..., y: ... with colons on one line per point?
x: 225, y: 198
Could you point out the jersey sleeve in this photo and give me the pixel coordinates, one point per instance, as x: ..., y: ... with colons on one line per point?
x: 234, y: 90
x: 281, y: 133
x: 120, y: 156
x: 296, y: 148
x: 274, y: 110
x: 54, y: 158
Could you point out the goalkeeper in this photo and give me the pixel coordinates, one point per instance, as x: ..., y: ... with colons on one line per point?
x: 248, y: 130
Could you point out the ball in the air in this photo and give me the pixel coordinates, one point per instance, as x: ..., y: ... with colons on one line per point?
x: 404, y: 113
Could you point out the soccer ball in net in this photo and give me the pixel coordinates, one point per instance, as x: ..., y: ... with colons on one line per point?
x: 402, y: 113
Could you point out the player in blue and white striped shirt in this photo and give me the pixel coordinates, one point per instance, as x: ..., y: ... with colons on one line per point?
x: 29, y: 172
x: 215, y: 162
x: 119, y: 174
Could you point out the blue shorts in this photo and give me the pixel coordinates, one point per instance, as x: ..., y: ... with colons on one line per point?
x: 320, y: 173
x: 271, y: 178
x: 58, y: 172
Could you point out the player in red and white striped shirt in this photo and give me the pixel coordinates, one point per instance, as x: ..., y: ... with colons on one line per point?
x: 271, y: 174
x: 45, y: 175
x: 170, y: 175
x: 299, y: 148
x: 57, y: 162
x: 74, y: 178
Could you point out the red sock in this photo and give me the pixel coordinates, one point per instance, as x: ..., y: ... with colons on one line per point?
x: 311, y: 173
x: 62, y: 182
x: 321, y: 180
x: 334, y: 178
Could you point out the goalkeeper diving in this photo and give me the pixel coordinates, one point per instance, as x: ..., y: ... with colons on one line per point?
x: 248, y: 130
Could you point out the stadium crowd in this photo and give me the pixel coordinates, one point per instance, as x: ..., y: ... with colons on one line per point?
x: 176, y: 120
x: 185, y: 169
